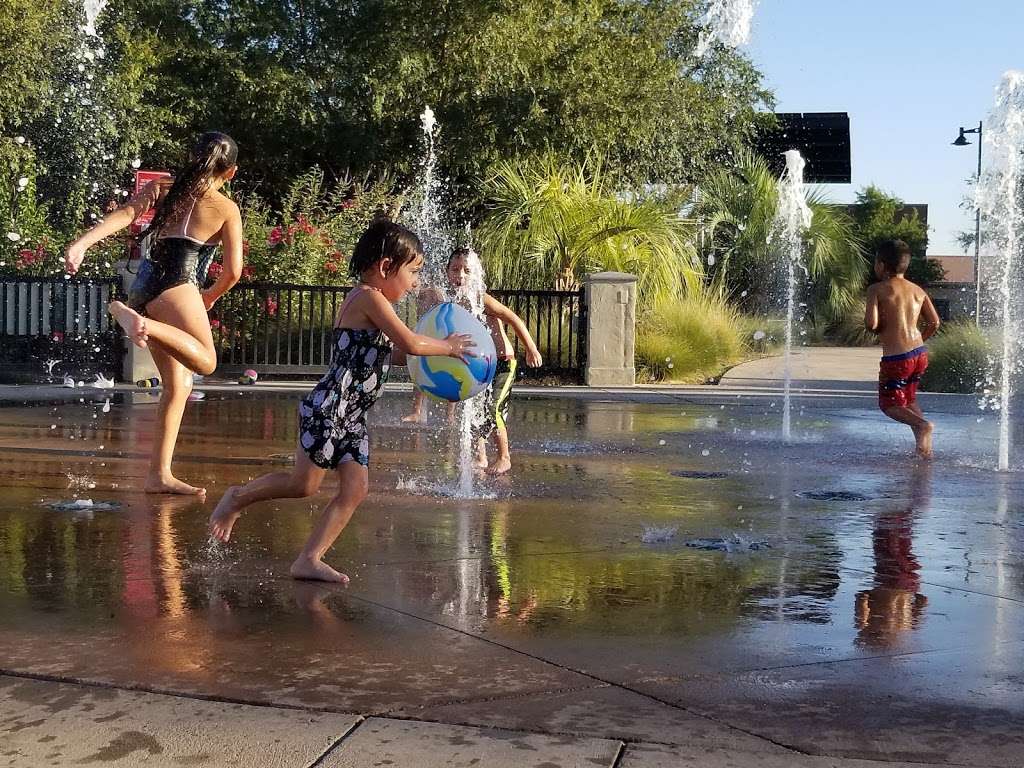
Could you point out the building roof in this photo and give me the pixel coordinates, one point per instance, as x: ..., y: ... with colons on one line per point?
x: 959, y: 269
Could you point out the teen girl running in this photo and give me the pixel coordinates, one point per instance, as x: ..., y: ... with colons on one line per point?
x: 332, y: 418
x: 166, y: 311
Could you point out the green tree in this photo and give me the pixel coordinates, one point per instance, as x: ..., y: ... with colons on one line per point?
x: 881, y: 216
x: 736, y: 207
x: 32, y: 33
x: 78, y: 102
x: 547, y: 225
x: 310, y: 82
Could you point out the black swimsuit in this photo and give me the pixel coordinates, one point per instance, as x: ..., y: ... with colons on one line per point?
x: 172, y: 261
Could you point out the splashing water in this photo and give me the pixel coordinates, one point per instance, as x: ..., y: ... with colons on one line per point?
x: 426, y: 210
x: 102, y: 382
x: 470, y: 294
x: 655, y: 534
x: 434, y: 229
x: 106, y: 405
x: 80, y: 482
x: 792, y: 219
x: 728, y: 22
x: 412, y: 485
x: 93, y: 8
x: 68, y: 381
x: 427, y: 120
x: 1000, y: 198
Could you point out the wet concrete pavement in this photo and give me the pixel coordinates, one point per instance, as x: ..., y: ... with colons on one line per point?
x: 868, y: 609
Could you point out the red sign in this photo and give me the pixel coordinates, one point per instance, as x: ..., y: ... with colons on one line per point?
x: 142, y: 178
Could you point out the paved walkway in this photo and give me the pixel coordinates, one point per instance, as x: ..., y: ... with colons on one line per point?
x: 825, y: 368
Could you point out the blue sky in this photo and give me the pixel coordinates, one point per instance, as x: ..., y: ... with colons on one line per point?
x: 909, y: 73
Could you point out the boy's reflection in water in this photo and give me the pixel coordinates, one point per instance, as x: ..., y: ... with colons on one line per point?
x: 894, y: 606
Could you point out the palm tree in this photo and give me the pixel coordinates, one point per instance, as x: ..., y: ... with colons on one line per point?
x: 737, y: 206
x: 548, y: 225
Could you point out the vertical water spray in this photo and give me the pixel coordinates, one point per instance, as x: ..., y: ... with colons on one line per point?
x: 792, y: 219
x: 428, y: 219
x: 728, y: 22
x: 92, y: 8
x: 433, y: 227
x: 471, y: 295
x: 1000, y: 196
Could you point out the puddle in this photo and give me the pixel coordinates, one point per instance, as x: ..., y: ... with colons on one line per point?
x: 832, y: 496
x: 81, y: 505
x: 732, y: 544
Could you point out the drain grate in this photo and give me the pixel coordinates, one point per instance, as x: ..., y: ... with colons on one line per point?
x: 832, y: 496
x: 696, y: 475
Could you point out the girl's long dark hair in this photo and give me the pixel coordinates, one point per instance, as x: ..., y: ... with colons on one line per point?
x: 214, y: 154
x: 384, y: 239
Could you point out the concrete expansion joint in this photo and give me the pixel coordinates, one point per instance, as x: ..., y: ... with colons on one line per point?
x: 589, y: 675
x: 338, y: 742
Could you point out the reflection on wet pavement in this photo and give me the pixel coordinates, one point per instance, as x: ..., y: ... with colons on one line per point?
x: 542, y: 604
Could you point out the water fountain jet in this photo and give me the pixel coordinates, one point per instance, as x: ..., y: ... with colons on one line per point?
x: 1000, y: 199
x: 792, y: 220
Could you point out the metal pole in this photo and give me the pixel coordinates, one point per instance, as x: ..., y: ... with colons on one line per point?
x: 977, y: 241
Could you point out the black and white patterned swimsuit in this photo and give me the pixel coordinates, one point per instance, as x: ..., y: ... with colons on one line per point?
x: 332, y: 418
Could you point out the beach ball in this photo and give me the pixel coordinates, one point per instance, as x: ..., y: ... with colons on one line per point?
x: 447, y: 378
x: 248, y: 376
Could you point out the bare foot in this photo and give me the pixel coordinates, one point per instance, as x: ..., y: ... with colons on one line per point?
x: 156, y: 483
x: 923, y: 434
x: 415, y: 418
x: 316, y: 570
x: 501, y: 466
x: 225, y: 515
x: 131, y: 321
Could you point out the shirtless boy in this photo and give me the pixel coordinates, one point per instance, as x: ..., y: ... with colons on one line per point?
x: 496, y: 315
x: 895, y: 308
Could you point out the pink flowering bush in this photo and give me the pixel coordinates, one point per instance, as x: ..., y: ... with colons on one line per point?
x: 29, y: 244
x: 309, y: 240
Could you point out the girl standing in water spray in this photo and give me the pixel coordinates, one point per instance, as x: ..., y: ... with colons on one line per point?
x: 166, y: 311
x: 332, y: 417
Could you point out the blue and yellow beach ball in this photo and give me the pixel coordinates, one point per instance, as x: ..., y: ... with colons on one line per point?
x: 447, y: 378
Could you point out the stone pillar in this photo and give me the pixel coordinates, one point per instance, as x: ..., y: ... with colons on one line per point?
x: 138, y: 363
x: 611, y: 329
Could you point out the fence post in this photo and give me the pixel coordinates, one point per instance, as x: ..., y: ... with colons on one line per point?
x: 138, y: 363
x: 611, y: 329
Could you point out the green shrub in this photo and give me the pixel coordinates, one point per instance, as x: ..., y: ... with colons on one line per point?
x: 849, y: 329
x: 958, y: 359
x: 309, y: 241
x: 762, y: 335
x: 690, y: 339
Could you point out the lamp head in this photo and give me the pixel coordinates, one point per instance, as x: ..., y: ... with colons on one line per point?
x: 961, y: 140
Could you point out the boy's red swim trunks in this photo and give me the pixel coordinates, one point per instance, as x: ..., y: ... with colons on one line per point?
x: 898, y: 377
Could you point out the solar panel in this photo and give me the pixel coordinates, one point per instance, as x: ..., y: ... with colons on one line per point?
x: 823, y: 139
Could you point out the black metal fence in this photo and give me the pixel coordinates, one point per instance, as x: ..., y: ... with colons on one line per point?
x: 286, y: 329
x: 275, y: 328
x: 60, y: 321
x: 555, y: 320
x: 279, y: 328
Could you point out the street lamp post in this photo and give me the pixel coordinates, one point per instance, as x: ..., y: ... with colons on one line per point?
x: 961, y: 141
